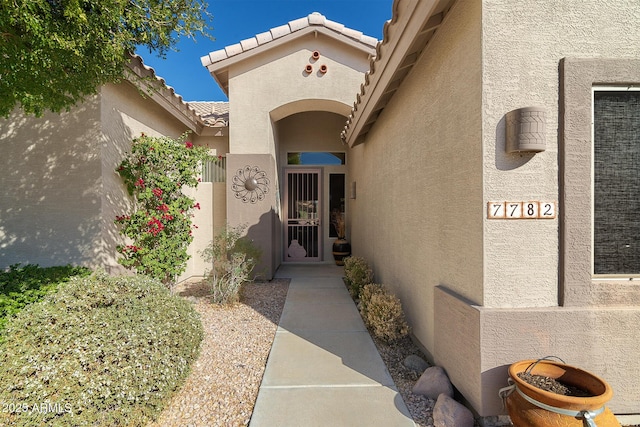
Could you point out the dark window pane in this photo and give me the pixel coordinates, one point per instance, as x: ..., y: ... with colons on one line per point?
x: 336, y: 203
x: 617, y: 182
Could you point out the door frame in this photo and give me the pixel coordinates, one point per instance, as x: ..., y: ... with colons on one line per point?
x: 314, y: 219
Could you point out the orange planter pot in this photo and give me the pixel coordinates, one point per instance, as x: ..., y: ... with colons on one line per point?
x: 529, y: 406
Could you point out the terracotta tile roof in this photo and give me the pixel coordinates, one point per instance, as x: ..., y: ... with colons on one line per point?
x: 165, y: 94
x: 314, y: 19
x: 405, y: 35
x: 214, y: 114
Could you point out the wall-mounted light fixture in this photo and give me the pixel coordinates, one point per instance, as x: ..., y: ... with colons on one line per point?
x: 323, y: 69
x: 308, y: 69
x: 525, y: 130
x: 315, y: 55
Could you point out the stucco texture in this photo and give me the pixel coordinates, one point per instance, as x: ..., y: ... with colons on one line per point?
x: 416, y: 217
x: 50, y: 205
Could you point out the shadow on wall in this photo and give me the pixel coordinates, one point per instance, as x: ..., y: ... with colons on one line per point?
x: 264, y: 235
x: 51, y: 173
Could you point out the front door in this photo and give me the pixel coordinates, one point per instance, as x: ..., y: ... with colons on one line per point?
x: 303, y: 230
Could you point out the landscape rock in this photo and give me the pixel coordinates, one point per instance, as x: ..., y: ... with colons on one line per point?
x: 449, y: 413
x: 415, y: 363
x: 433, y: 382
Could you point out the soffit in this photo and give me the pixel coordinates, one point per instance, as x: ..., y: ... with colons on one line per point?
x: 219, y: 61
x: 412, y: 26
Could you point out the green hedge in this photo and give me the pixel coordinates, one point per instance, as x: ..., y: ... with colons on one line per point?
x: 24, y: 285
x: 101, y: 351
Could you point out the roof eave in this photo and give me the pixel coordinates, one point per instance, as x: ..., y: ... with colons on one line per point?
x: 155, y: 88
x: 413, y: 24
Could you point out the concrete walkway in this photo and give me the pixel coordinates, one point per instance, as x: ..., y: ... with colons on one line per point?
x: 324, y: 369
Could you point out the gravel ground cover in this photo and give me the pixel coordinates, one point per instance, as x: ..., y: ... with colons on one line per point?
x: 222, y: 387
x: 224, y: 382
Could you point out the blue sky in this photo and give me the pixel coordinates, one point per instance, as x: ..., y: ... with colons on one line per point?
x: 236, y: 20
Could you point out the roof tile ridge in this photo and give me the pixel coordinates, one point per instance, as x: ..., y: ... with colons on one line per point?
x: 313, y: 19
x: 168, y: 92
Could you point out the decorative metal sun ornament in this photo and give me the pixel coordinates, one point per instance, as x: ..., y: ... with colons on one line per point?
x: 250, y: 184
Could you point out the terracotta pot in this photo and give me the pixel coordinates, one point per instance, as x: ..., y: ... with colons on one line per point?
x: 341, y: 250
x: 539, y: 407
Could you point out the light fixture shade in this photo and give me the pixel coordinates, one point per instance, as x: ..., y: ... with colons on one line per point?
x: 526, y: 128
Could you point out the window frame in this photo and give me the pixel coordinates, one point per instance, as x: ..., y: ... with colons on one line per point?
x: 578, y: 286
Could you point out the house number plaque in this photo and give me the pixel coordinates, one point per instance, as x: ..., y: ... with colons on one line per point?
x: 521, y: 210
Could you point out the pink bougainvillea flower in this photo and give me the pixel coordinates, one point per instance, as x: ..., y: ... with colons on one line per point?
x: 139, y: 183
x: 188, y: 144
x: 157, y: 192
x: 155, y: 226
x: 197, y: 205
x: 167, y: 217
x: 163, y: 207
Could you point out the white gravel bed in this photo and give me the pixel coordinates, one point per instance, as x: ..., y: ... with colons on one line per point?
x: 223, y: 385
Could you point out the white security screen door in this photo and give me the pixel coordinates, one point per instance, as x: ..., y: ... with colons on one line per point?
x: 303, y: 215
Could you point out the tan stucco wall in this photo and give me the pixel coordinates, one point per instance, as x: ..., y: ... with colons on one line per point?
x: 62, y: 193
x: 50, y: 203
x: 523, y: 46
x: 265, y: 82
x: 269, y: 86
x: 482, y: 294
x: 417, y: 215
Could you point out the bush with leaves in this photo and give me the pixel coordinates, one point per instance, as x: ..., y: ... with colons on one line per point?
x: 24, y: 285
x: 357, y: 274
x: 159, y: 228
x: 233, y: 257
x: 382, y: 313
x: 83, y: 45
x: 100, y: 351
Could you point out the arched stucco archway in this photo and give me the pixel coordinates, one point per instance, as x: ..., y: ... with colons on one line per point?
x: 304, y: 105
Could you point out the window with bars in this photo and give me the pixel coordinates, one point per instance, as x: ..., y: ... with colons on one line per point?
x: 616, y: 186
x: 215, y: 171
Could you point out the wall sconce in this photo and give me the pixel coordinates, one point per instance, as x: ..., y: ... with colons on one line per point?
x: 308, y: 69
x: 526, y: 128
x: 315, y: 55
x: 352, y: 194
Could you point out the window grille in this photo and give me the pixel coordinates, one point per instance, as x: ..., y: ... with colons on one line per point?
x: 215, y: 171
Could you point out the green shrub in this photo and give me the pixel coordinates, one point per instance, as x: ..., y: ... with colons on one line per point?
x: 24, y: 285
x: 357, y: 274
x: 382, y: 313
x: 233, y: 257
x: 100, y: 351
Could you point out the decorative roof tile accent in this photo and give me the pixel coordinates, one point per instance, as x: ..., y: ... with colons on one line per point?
x: 275, y: 33
x: 214, y: 113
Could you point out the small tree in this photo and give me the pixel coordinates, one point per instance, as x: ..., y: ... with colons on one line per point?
x: 53, y: 53
x: 233, y: 257
x: 160, y: 226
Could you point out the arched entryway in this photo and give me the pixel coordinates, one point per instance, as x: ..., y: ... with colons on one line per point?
x: 312, y: 168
